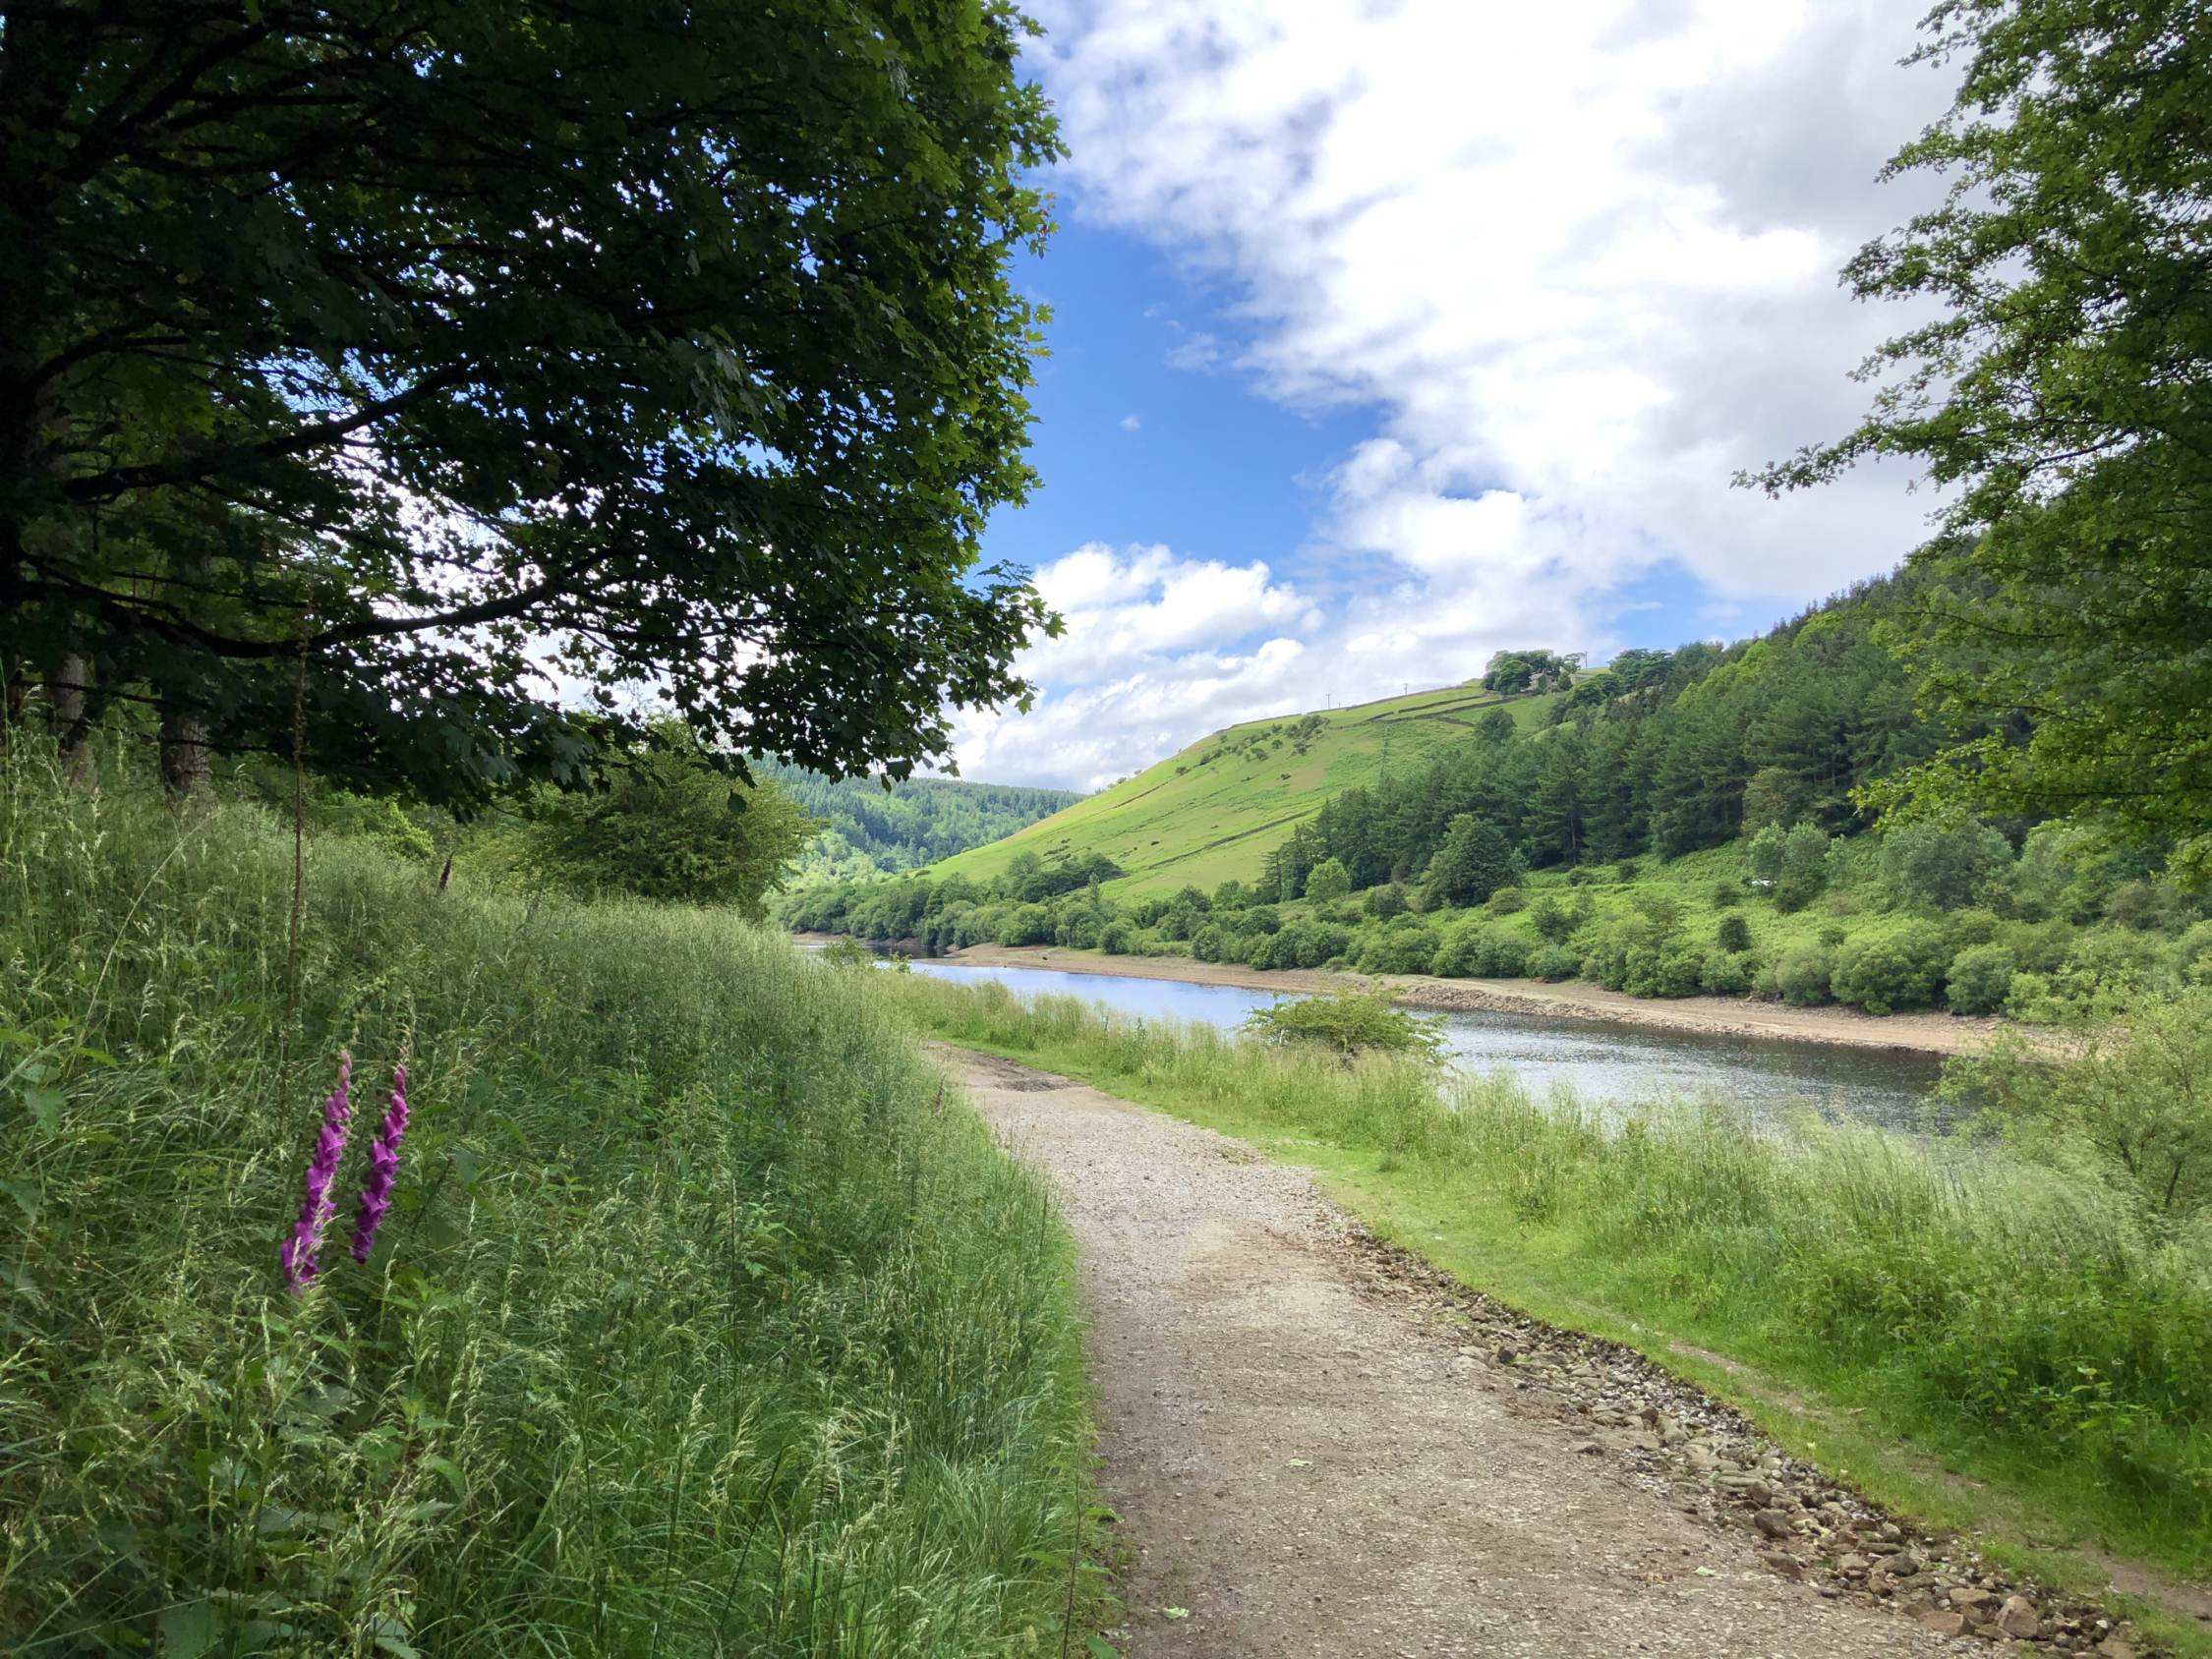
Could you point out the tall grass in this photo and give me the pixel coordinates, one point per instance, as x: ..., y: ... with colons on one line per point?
x: 696, y: 1327
x: 2044, y: 1325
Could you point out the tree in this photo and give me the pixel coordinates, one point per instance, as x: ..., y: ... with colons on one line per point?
x: 1511, y: 672
x: 1473, y: 862
x: 666, y: 822
x: 417, y: 359
x: 2063, y: 393
x: 1943, y: 864
x: 1327, y: 880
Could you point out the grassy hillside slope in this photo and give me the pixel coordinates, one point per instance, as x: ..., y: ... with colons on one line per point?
x: 699, y: 1325
x: 1212, y: 812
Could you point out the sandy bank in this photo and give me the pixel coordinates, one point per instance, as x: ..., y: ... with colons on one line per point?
x: 1719, y: 1017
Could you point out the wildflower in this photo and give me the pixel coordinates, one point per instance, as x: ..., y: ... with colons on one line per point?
x: 383, y: 1167
x: 298, y: 1252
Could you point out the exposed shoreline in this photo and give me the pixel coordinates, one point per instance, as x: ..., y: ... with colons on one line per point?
x: 1712, y: 1017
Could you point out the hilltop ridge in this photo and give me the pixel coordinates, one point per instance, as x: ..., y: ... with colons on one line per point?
x: 1212, y: 810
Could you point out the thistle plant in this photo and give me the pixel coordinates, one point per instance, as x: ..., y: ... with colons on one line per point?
x: 383, y: 1167
x: 298, y: 1252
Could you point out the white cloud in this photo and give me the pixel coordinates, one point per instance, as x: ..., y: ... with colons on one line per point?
x: 1579, y: 261
x: 1131, y: 422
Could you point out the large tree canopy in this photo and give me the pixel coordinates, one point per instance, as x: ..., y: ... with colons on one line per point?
x: 2064, y: 392
x: 448, y: 346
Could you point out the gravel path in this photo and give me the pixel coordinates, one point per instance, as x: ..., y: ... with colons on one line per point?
x: 1310, y: 1455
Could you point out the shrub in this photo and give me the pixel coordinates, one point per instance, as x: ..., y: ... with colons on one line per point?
x: 1210, y: 944
x: 2131, y: 1100
x: 1802, y: 976
x: 1386, y: 901
x: 1943, y: 866
x: 1026, y: 924
x: 1302, y: 944
x: 1729, y: 973
x: 1118, y: 937
x: 1889, y: 972
x: 1506, y: 901
x: 1980, y: 979
x: 1553, y: 961
x: 1555, y: 921
x: 1078, y: 930
x: 1725, y: 893
x: 1347, y: 1024
x: 1732, y: 935
x: 1477, y: 950
x: 1665, y: 971
x: 1328, y: 880
x: 1804, y: 867
x: 1409, y: 947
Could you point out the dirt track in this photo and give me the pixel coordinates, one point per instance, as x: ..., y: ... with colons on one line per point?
x: 1308, y: 1462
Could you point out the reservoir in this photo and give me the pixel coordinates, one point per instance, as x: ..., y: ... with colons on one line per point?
x: 1602, y: 1061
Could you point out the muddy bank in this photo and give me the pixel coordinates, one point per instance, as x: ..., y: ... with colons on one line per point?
x: 1720, y: 1016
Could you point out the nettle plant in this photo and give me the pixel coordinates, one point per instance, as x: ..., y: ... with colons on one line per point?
x: 298, y: 1251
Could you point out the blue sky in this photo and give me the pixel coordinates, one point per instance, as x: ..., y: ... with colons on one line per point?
x: 1388, y: 334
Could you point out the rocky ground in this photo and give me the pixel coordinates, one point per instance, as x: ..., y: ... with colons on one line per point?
x: 1316, y: 1443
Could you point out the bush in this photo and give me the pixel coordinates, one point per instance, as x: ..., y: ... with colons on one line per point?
x: 1408, y: 947
x: 1326, y: 881
x: 1557, y: 921
x: 1802, y: 976
x: 1477, y: 950
x: 1347, y: 1024
x: 1210, y: 944
x: 1506, y: 901
x: 1980, y: 979
x: 1663, y: 971
x: 1727, y: 893
x: 1943, y: 866
x: 1386, y: 901
x: 1891, y: 972
x: 1732, y: 935
x: 2131, y: 1102
x: 1118, y: 937
x: 1302, y: 944
x: 1553, y: 961
x: 1026, y: 924
x: 1729, y: 973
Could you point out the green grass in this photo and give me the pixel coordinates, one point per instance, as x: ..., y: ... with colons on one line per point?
x: 1214, y: 812
x: 1971, y: 1340
x: 699, y: 1326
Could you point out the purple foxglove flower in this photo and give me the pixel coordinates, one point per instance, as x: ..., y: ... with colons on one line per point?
x: 383, y: 1167
x: 298, y: 1252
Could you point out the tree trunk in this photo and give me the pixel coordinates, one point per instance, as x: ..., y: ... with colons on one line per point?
x: 184, y: 754
x: 66, y: 707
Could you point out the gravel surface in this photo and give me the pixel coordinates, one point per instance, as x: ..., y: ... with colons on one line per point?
x: 1318, y: 1444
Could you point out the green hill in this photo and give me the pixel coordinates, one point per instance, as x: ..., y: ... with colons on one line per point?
x: 1215, y: 810
x: 870, y: 831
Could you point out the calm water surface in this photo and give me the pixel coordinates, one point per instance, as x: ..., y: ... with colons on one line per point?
x: 1600, y: 1060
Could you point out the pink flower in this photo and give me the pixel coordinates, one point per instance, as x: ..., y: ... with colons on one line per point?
x: 383, y: 1167
x: 298, y: 1252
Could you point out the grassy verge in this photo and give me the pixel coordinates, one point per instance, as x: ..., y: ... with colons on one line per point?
x: 697, y: 1326
x: 1972, y: 1340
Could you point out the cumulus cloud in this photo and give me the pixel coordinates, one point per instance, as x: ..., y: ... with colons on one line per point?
x: 1131, y: 422
x: 1157, y: 650
x: 1579, y: 261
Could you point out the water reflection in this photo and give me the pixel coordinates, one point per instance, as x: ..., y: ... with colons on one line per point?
x: 1600, y: 1060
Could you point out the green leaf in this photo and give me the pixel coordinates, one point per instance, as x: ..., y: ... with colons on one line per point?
x: 187, y: 1630
x: 44, y: 1105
